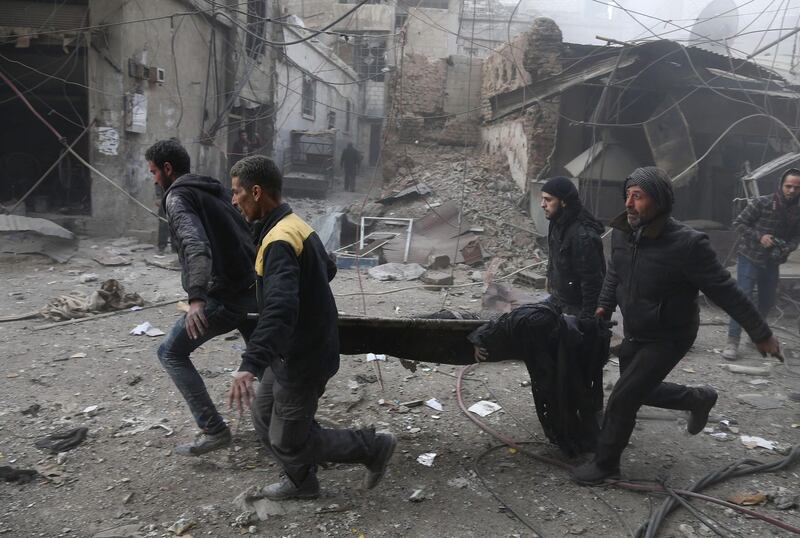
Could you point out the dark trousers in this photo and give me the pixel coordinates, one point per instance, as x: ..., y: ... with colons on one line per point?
x: 750, y: 277
x: 174, y: 354
x: 284, y: 421
x: 163, y: 229
x: 349, y: 180
x: 643, y: 367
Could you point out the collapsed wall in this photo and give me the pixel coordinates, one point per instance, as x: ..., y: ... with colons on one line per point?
x: 526, y: 139
x: 437, y: 100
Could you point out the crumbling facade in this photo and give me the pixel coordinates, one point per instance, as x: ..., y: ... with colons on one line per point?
x: 199, y: 77
x: 526, y: 139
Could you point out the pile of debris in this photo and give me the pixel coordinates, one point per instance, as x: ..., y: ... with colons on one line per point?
x: 436, y: 182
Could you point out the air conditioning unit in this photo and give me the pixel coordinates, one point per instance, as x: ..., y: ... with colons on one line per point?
x: 157, y: 75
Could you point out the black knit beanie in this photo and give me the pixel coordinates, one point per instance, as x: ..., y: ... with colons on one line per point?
x: 655, y: 182
x: 561, y: 187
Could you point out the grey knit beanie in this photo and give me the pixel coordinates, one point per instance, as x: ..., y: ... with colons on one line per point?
x: 655, y: 182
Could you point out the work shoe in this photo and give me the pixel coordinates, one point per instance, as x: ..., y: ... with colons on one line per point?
x: 731, y: 351
x: 205, y: 443
x: 285, y: 489
x: 592, y: 474
x: 385, y: 445
x: 699, y: 416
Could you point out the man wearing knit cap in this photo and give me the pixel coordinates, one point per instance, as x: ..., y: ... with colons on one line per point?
x: 657, y: 267
x: 576, y: 267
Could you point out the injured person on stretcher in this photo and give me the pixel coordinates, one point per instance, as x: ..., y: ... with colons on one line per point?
x: 565, y: 362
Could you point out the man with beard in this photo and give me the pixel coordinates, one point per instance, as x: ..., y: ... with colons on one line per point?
x: 657, y: 267
x: 216, y: 256
x: 576, y: 267
x: 769, y: 230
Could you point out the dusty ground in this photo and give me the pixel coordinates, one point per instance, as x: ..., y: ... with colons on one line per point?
x: 132, y: 482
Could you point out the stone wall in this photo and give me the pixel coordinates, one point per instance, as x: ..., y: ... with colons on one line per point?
x: 434, y: 100
x: 529, y: 58
x: 526, y: 139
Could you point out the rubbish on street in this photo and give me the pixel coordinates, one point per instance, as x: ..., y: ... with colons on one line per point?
x: 146, y: 328
x: 426, y: 459
x: 418, y: 496
x: 373, y: 357
x: 62, y: 441
x: 396, y: 271
x: 20, y: 476
x: 434, y: 404
x: 484, y: 408
x: 748, y: 499
x: 747, y: 370
x: 751, y: 441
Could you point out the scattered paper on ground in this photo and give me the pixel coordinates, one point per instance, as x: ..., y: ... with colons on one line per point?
x: 484, y: 408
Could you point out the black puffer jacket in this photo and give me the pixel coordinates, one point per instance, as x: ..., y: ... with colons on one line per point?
x: 214, y: 244
x: 576, y: 267
x: 655, y: 274
x: 297, y: 333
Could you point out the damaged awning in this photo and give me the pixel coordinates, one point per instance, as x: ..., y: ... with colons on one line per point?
x: 27, y: 235
x: 779, y: 164
x: 607, y: 161
x: 521, y: 98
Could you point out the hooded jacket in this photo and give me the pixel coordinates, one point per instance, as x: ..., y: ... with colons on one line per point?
x: 297, y: 334
x: 576, y: 266
x: 768, y: 214
x: 214, y: 245
x: 655, y: 274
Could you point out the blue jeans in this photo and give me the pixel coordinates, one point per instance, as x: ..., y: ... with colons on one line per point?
x: 749, y: 276
x: 174, y: 354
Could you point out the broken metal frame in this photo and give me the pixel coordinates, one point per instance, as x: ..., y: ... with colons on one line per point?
x: 408, y: 232
x: 377, y: 245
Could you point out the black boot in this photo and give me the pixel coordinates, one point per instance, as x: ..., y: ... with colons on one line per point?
x: 286, y: 489
x: 707, y: 398
x: 592, y: 473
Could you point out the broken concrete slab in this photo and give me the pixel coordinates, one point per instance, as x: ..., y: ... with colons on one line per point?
x: 759, y: 401
x: 112, y: 261
x: 252, y: 501
x: 416, y: 191
x: 437, y: 278
x: 27, y: 235
x: 397, y: 271
x: 124, y: 531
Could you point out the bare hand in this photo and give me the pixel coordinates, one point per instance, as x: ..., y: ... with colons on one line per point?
x: 196, y: 322
x: 600, y: 312
x: 241, y: 393
x: 481, y: 354
x: 767, y: 240
x: 770, y: 346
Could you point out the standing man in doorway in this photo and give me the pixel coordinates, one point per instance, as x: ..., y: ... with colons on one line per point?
x: 216, y: 255
x: 769, y: 230
x: 244, y: 146
x: 350, y: 162
x: 295, y: 343
x: 575, y: 266
x: 657, y: 267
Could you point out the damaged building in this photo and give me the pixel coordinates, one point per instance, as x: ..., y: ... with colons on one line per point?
x: 111, y: 80
x: 594, y: 113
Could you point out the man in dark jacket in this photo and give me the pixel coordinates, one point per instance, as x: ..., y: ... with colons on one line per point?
x: 296, y: 340
x: 576, y: 266
x: 350, y: 161
x: 216, y: 256
x: 769, y: 230
x: 657, y: 267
